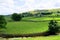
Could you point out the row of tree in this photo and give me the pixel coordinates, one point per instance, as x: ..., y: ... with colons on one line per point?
x: 38, y: 14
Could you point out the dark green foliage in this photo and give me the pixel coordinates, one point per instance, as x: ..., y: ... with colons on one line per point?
x: 53, y: 27
x: 26, y: 14
x: 48, y: 13
x: 2, y: 22
x: 58, y: 11
x: 16, y: 17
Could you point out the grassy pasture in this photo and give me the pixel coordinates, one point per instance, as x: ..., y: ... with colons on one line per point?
x: 41, y: 18
x: 24, y: 27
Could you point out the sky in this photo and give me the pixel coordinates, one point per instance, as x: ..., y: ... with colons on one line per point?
x: 17, y: 6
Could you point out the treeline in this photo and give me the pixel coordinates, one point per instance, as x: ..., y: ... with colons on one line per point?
x: 40, y: 14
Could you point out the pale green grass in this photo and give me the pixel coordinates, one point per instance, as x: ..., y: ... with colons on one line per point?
x: 41, y: 18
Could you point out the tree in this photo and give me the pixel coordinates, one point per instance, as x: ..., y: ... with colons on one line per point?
x: 53, y: 27
x: 16, y: 17
x: 2, y: 22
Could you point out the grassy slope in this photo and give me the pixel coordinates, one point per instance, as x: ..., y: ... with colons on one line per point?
x: 30, y: 27
x: 26, y: 27
x: 41, y: 18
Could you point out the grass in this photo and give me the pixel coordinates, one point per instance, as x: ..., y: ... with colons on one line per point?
x: 23, y: 27
x: 41, y: 18
x: 26, y: 27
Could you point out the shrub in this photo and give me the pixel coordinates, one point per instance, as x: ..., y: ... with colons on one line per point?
x: 2, y: 22
x: 53, y: 27
x: 16, y: 17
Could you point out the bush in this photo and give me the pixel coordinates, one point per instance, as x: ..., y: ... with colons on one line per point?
x: 53, y: 27
x: 2, y: 22
x: 16, y: 17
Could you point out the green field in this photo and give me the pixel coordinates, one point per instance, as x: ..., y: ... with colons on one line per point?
x: 41, y: 18
x: 28, y: 25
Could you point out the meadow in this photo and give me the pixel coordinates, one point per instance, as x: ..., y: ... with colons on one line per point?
x: 26, y: 27
x: 30, y: 25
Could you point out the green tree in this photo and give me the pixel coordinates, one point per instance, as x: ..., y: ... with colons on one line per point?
x: 16, y: 17
x: 2, y: 22
x: 53, y: 27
